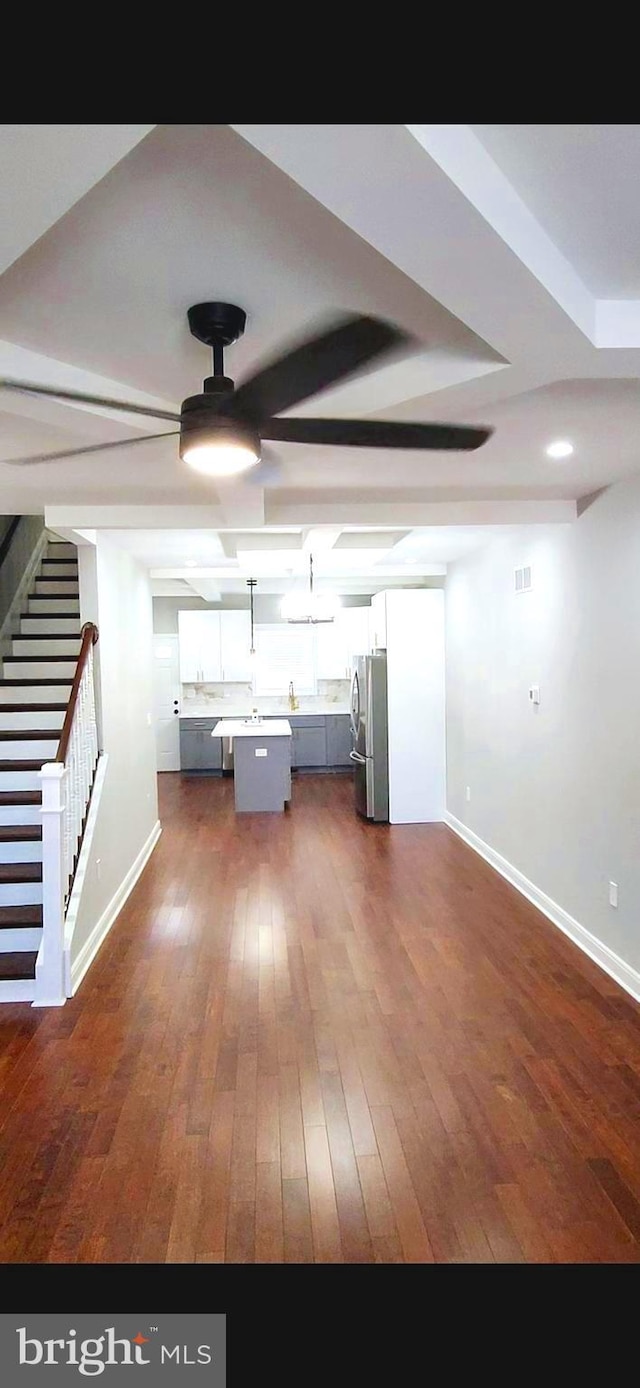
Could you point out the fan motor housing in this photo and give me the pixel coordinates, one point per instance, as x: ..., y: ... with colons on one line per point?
x: 201, y: 422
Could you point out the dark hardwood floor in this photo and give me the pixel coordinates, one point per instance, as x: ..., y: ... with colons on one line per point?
x: 307, y: 1038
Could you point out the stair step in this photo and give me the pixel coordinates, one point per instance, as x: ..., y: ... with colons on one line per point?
x: 20, y: 797
x: 20, y: 765
x: 21, y: 833
x: 18, y: 966
x: 15, y: 917
x: 40, y: 645
x: 12, y: 683
x: 36, y: 707
x: 20, y: 872
x: 61, y: 549
x: 46, y: 606
x: 55, y: 668
x: 21, y: 719
x: 61, y: 559
x: 52, y: 586
x: 57, y: 624
x: 26, y: 734
x: 15, y: 747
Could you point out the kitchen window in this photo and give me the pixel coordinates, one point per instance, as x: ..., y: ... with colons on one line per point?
x: 284, y: 655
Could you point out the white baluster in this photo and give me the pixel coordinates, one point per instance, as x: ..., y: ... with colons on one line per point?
x: 50, y: 989
x: 66, y: 790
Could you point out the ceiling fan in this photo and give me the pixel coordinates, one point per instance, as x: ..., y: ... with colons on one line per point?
x: 221, y: 430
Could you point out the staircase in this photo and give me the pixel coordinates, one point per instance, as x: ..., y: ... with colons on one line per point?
x: 34, y: 693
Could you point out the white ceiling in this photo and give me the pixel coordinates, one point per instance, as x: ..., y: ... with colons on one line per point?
x: 581, y: 183
x: 508, y: 252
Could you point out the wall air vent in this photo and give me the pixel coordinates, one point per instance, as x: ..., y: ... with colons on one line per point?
x: 522, y: 579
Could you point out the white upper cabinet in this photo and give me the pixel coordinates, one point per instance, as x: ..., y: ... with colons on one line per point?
x: 340, y: 641
x: 332, y: 656
x: 199, y: 639
x: 357, y: 622
x: 379, y: 622
x: 235, y: 641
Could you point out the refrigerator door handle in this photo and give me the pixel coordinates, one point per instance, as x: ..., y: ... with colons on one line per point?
x: 356, y: 756
x: 355, y: 703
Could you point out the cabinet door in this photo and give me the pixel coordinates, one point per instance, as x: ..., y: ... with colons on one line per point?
x: 309, y: 747
x: 199, y: 751
x: 358, y: 635
x: 189, y: 643
x: 199, y: 634
x: 379, y: 616
x: 210, y: 664
x: 338, y: 739
x: 235, y: 640
x: 332, y: 656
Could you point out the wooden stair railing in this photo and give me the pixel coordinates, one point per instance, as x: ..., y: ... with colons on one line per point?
x: 67, y: 783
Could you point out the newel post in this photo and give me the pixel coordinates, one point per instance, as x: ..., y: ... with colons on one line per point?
x: 50, y: 986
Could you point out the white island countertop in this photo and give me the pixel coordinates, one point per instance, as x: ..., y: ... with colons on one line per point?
x: 273, y: 727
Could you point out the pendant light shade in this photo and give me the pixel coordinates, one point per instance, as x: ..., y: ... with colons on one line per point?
x: 309, y: 607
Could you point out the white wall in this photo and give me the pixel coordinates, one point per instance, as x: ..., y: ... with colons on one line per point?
x: 115, y: 593
x: 555, y: 790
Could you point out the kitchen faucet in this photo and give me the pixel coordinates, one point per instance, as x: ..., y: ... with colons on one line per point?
x: 293, y: 702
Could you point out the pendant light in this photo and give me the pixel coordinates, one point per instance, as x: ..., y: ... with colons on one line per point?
x: 251, y: 583
x: 310, y: 608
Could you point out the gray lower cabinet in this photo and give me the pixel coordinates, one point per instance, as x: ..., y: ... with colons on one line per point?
x: 309, y: 746
x: 199, y: 751
x: 317, y: 740
x: 338, y: 727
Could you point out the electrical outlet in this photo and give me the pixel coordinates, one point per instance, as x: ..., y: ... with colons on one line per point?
x: 467, y: 794
x: 534, y: 693
x: 613, y: 893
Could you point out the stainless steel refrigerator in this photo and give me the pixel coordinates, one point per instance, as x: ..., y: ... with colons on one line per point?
x: 370, y: 753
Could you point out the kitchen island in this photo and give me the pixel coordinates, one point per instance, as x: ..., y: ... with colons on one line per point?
x: 261, y: 761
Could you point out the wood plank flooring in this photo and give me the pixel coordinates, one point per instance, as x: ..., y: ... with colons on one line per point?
x: 308, y: 1039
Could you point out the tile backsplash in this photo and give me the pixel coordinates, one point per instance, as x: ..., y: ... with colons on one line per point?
x: 221, y: 696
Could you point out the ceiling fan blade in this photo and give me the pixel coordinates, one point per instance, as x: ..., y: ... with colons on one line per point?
x: 375, y: 433
x: 312, y: 366
x: 55, y: 393
x: 92, y: 448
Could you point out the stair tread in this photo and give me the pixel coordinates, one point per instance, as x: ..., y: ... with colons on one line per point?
x: 12, y: 916
x: 42, y: 616
x: 28, y: 684
x: 50, y: 597
x: 29, y: 734
x: 60, y: 659
x: 20, y: 797
x: 59, y: 559
x: 17, y: 966
x: 47, y: 636
x: 11, y: 764
x: 34, y: 708
x: 20, y: 872
x: 20, y: 833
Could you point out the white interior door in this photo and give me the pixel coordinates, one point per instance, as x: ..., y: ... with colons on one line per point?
x: 166, y: 676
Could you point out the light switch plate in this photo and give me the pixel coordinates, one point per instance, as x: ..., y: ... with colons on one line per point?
x: 261, y: 751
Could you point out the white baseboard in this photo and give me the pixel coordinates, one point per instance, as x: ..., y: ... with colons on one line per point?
x: 617, y: 968
x: 86, y: 956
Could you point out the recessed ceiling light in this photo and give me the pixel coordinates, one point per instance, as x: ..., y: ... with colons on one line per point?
x: 560, y: 449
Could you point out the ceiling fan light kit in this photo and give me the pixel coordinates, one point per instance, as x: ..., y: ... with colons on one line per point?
x: 222, y: 428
